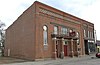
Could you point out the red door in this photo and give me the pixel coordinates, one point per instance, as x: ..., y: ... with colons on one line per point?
x: 65, y: 50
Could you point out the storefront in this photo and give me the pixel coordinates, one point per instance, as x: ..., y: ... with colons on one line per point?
x: 65, y: 45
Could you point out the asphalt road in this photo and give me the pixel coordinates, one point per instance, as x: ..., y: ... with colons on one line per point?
x: 86, y: 60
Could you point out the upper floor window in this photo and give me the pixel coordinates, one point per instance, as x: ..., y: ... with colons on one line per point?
x: 55, y: 29
x: 88, y: 34
x: 45, y: 35
x: 92, y: 35
x: 64, y: 30
x: 84, y: 33
x: 77, y: 34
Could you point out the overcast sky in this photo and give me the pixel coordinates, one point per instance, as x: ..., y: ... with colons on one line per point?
x: 86, y: 9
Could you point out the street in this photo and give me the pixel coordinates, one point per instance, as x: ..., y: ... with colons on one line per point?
x: 86, y: 60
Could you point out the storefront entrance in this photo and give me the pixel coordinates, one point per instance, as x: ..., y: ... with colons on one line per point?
x: 65, y: 47
x: 61, y: 46
x: 86, y: 47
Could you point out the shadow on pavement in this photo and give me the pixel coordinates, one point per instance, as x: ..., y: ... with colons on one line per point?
x: 7, y: 60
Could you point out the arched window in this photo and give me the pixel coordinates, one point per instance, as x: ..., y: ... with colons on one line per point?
x: 45, y: 34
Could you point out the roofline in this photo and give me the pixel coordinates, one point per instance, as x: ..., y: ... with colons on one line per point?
x: 37, y: 2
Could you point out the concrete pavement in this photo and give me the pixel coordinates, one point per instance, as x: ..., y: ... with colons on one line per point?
x: 84, y: 60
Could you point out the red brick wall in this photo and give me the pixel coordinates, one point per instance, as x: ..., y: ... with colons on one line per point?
x: 24, y: 37
x: 20, y: 36
x: 42, y: 20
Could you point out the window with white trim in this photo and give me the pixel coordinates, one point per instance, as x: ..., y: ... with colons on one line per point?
x: 84, y: 33
x: 55, y: 29
x: 92, y: 34
x: 45, y: 34
x: 77, y: 34
x: 88, y: 34
x: 63, y: 30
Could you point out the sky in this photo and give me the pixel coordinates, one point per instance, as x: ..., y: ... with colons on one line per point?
x: 88, y: 10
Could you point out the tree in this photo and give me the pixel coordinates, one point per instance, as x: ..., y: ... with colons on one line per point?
x: 2, y: 37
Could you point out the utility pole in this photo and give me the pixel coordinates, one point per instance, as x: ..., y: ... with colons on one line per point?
x: 95, y: 36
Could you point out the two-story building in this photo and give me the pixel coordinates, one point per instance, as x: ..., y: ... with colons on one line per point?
x: 89, y: 39
x: 45, y: 32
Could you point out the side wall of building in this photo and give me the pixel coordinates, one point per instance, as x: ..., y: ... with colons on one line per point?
x: 20, y: 36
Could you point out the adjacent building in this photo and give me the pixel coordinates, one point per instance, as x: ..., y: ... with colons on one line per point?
x: 98, y: 45
x: 45, y: 32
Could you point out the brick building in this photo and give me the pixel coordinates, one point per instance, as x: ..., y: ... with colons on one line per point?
x: 45, y: 32
x: 98, y: 45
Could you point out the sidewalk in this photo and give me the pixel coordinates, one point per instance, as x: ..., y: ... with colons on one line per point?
x: 66, y: 60
x: 7, y: 60
x: 13, y: 61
